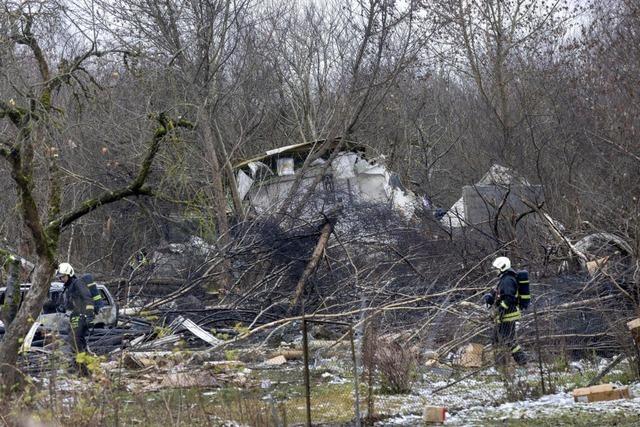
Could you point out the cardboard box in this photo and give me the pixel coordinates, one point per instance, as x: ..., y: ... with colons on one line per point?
x: 598, y: 393
x: 434, y: 414
x: 471, y: 355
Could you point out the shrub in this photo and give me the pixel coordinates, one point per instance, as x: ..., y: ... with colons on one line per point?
x: 397, y: 366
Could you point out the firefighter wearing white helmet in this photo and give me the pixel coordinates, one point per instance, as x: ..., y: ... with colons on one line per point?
x: 76, y: 299
x: 65, y: 269
x: 505, y: 300
x: 502, y: 264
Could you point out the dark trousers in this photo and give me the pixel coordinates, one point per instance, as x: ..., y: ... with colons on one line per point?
x: 505, y: 343
x: 78, y: 333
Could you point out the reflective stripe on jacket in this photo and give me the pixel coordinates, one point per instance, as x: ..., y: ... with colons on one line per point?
x: 506, y: 298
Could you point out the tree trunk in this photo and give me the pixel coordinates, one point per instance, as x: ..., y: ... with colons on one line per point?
x: 30, y: 310
x: 11, y: 293
x: 219, y: 200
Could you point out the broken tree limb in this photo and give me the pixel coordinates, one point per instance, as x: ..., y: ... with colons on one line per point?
x: 173, y: 295
x: 607, y: 369
x: 325, y: 232
x: 528, y: 317
x: 556, y: 231
x: 28, y: 265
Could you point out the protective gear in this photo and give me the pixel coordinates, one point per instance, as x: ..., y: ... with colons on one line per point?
x: 524, y: 293
x: 489, y: 299
x: 65, y: 269
x: 508, y: 312
x: 79, y: 329
x: 506, y: 297
x: 504, y: 338
x: 77, y: 299
x: 502, y: 264
x: 96, y: 296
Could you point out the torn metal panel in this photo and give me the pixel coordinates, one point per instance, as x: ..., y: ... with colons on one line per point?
x: 351, y: 178
x: 500, y: 175
x: 181, y: 323
x: 454, y: 217
x: 26, y: 345
x: 160, y: 342
x: 499, y: 187
x: 302, y: 149
x: 137, y: 340
x: 343, y: 165
x: 244, y: 183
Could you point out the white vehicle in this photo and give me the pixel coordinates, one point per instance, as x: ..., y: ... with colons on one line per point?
x: 52, y: 320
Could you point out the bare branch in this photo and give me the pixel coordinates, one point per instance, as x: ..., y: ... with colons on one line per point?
x: 136, y: 187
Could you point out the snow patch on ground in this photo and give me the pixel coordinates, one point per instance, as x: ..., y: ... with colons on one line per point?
x: 480, y: 400
x: 544, y: 407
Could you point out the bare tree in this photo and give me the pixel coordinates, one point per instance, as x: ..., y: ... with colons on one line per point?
x: 30, y: 149
x: 487, y: 42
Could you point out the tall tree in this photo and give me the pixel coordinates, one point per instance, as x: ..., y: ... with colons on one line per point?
x: 489, y: 42
x: 30, y: 144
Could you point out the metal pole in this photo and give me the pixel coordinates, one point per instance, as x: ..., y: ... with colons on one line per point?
x: 355, y: 376
x: 305, y: 354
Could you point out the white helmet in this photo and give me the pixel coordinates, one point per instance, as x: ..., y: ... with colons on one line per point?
x: 65, y: 269
x: 502, y: 264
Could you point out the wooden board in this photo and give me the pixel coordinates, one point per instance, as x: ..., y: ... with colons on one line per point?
x: 634, y: 327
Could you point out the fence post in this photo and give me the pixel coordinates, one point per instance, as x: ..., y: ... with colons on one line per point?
x: 355, y: 376
x: 305, y: 354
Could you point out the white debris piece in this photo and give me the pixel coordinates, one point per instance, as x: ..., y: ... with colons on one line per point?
x: 181, y: 323
x: 275, y: 361
x: 26, y: 345
x: 343, y: 165
x: 454, y: 217
x: 244, y: 183
x: 351, y: 178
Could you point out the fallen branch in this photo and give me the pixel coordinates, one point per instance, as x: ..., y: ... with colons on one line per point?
x: 607, y: 369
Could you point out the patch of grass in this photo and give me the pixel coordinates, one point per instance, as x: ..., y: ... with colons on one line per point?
x: 231, y: 354
x: 571, y: 419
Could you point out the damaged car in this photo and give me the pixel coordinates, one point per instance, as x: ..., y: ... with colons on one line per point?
x: 52, y: 321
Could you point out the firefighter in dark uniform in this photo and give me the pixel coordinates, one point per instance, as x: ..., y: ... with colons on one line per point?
x: 76, y: 298
x: 96, y: 296
x: 505, y: 299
